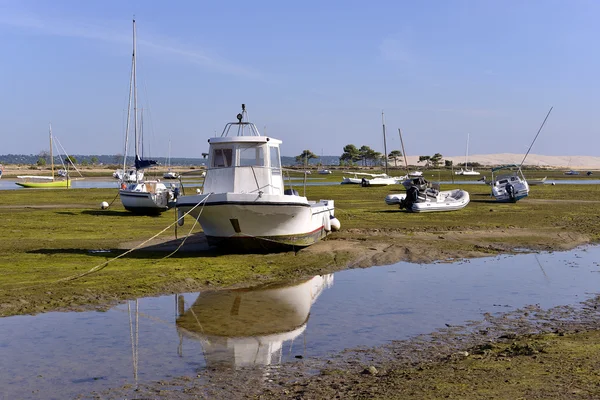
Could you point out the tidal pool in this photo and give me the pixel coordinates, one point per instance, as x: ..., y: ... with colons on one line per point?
x: 62, y: 355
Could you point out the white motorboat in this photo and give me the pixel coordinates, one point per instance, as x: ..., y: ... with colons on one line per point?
x: 509, y: 188
x: 466, y: 172
x: 244, y: 203
x: 414, y: 174
x: 141, y: 196
x: 244, y: 328
x: 357, y: 177
x: 384, y: 180
x: 430, y: 200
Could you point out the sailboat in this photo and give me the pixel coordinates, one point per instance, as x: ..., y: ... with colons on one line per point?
x: 141, y: 196
x: 384, y: 179
x: 170, y: 174
x: 37, y: 181
x: 466, y: 170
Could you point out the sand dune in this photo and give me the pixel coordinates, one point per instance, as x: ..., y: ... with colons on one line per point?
x: 567, y: 162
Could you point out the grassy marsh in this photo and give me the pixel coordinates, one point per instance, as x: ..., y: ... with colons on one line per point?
x: 51, y: 235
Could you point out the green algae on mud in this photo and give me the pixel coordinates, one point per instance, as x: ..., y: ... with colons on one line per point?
x: 48, y: 236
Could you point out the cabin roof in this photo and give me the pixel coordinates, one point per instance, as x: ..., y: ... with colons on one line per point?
x: 243, y: 139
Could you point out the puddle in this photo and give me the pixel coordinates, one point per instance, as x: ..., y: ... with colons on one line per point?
x: 62, y: 355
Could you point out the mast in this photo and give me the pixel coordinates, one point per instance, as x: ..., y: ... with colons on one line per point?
x: 467, y: 154
x: 403, y: 152
x: 128, y: 123
x: 384, y: 144
x: 51, y: 154
x: 135, y: 122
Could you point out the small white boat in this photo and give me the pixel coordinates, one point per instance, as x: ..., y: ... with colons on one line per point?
x: 357, y: 177
x: 244, y: 203
x: 130, y: 175
x: 533, y: 182
x: 324, y: 171
x: 415, y: 173
x: 384, y: 180
x: 571, y: 172
x: 509, y: 188
x: 1, y: 171
x: 466, y: 172
x: 170, y: 175
x: 430, y: 200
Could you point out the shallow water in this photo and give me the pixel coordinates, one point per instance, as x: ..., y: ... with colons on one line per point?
x: 60, y: 355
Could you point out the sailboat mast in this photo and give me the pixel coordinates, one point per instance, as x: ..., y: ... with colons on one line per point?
x: 467, y: 154
x: 51, y: 154
x: 384, y: 143
x: 135, y: 122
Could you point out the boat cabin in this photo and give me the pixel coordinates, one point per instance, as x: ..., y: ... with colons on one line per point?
x: 244, y: 164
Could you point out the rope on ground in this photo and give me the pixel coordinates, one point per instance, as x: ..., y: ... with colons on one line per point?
x: 105, y: 263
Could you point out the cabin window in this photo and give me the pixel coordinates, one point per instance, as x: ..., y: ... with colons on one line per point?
x: 222, y: 157
x: 274, y: 158
x: 252, y: 156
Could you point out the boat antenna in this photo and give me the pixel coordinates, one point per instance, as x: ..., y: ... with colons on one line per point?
x: 385, y: 155
x: 403, y: 152
x: 538, y: 132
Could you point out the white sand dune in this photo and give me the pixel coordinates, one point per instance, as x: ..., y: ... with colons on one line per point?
x: 567, y: 162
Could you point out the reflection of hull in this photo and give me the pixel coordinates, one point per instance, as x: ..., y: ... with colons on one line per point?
x: 249, y: 221
x: 248, y: 327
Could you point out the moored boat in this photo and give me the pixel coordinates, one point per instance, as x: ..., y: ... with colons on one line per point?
x: 244, y: 203
x: 141, y: 196
x: 509, y: 188
x: 429, y: 200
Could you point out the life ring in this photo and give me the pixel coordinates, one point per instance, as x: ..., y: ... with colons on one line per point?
x: 123, y: 186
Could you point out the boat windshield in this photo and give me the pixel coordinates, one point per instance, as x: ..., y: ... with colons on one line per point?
x: 251, y: 155
x: 222, y: 157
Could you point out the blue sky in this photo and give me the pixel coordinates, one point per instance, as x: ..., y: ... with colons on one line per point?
x: 315, y: 74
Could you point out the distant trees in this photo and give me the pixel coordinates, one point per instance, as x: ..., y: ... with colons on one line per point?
x: 448, y: 163
x: 425, y: 159
x: 94, y: 160
x: 395, y: 155
x: 305, y: 156
x: 434, y: 160
x: 350, y: 155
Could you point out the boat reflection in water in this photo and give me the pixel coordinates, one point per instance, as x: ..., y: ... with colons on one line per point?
x: 243, y: 328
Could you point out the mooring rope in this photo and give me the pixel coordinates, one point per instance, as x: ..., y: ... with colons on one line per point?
x: 105, y: 263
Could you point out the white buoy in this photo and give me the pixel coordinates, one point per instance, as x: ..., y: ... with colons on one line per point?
x: 553, y: 183
x: 104, y: 205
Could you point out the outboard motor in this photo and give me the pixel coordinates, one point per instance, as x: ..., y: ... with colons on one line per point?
x: 412, y: 195
x: 510, y: 190
x: 364, y: 182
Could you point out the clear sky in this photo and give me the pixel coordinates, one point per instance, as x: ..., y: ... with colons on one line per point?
x: 315, y: 74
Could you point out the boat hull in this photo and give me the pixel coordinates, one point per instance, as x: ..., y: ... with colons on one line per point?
x: 41, y: 185
x: 146, y: 198
x: 451, y: 200
x: 242, y: 221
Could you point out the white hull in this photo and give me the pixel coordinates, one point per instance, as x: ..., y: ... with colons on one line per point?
x: 355, y: 181
x: 146, y: 197
x: 250, y: 218
x: 501, y: 194
x: 380, y: 181
x: 533, y: 182
x: 467, y: 172
x: 450, y: 200
x: 170, y: 175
